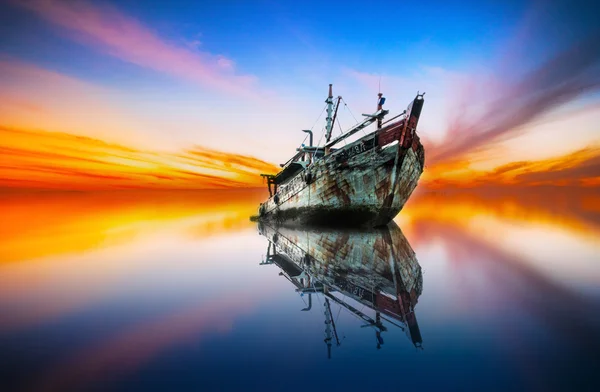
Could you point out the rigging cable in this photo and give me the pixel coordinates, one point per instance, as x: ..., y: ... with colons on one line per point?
x: 350, y: 111
x: 341, y: 133
x: 340, y: 309
x: 346, y: 106
x: 318, y: 118
x: 321, y: 138
x: 305, y: 137
x: 314, y: 155
x: 311, y: 128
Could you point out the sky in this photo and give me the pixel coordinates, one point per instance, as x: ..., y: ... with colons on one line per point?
x: 512, y: 88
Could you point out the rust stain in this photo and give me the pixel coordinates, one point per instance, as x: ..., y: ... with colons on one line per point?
x: 383, y: 189
x: 364, y: 188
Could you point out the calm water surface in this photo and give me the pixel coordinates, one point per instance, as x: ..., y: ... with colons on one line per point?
x: 180, y: 291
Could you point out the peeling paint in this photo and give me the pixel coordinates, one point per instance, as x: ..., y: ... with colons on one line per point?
x: 358, y: 194
x: 365, y: 183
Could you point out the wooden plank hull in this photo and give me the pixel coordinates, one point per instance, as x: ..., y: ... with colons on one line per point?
x: 351, y: 187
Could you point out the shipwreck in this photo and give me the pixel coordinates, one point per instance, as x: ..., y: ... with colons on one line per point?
x: 364, y: 183
x: 371, y: 273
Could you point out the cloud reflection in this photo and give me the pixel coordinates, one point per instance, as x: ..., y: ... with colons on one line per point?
x: 37, y: 285
x: 46, y: 253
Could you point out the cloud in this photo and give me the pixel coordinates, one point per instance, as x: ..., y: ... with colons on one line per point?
x: 578, y: 168
x: 36, y: 98
x: 48, y: 160
x: 119, y: 35
x: 581, y: 165
x: 497, y: 107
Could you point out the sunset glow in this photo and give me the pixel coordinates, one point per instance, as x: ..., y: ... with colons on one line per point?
x: 144, y: 245
x: 579, y: 168
x: 138, y: 122
x: 43, y: 160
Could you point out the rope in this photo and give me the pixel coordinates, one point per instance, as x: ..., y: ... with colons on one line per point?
x: 311, y: 128
x: 349, y: 111
x: 305, y: 137
x: 318, y: 145
x: 302, y: 298
x: 321, y: 307
x: 318, y: 118
x: 339, y: 311
x: 322, y: 133
x: 323, y: 130
x: 321, y: 138
x: 342, y: 132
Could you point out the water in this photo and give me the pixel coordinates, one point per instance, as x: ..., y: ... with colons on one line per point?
x: 179, y: 290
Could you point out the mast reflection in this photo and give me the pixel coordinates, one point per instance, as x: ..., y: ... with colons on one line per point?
x: 376, y: 268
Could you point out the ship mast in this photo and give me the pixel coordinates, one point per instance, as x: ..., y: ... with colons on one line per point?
x: 329, y: 102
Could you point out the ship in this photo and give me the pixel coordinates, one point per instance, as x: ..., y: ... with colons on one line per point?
x: 363, y: 271
x: 364, y: 183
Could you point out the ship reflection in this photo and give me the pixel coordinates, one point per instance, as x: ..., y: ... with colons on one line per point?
x: 375, y: 269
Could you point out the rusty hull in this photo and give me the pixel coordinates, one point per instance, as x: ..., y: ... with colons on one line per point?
x: 352, y: 186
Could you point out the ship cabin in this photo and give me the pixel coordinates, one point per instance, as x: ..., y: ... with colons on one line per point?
x: 305, y: 155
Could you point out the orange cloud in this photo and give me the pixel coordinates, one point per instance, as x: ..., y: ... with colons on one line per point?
x: 48, y: 160
x: 124, y: 37
x: 579, y: 168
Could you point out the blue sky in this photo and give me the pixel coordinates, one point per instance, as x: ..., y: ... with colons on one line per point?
x: 281, y: 54
x: 267, y: 37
